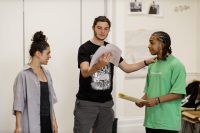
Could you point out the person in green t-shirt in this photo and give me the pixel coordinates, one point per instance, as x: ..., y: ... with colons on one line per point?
x: 165, y: 87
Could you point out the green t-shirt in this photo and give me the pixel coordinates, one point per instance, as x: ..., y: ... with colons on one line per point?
x: 164, y: 77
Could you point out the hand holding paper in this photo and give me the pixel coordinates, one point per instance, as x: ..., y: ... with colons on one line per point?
x: 103, y: 60
x: 133, y: 99
x: 109, y: 48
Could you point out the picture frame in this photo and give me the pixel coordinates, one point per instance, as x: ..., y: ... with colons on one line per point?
x: 147, y: 8
x: 136, y: 7
x: 154, y: 8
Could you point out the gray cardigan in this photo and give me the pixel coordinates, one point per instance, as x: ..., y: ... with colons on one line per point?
x: 27, y: 98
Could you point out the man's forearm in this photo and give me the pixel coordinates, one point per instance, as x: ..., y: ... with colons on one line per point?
x: 88, y: 72
x: 170, y: 97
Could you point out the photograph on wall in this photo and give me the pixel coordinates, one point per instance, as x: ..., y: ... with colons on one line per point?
x: 136, y: 7
x: 155, y: 9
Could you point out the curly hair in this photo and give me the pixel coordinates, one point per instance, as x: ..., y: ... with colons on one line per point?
x: 39, y: 43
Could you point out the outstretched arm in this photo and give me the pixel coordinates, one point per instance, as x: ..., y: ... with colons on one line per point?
x: 128, y: 68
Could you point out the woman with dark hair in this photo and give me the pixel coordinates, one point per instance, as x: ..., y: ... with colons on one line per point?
x: 34, y: 94
x: 165, y: 87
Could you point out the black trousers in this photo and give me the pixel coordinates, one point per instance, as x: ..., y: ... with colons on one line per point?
x: 150, y: 130
x: 45, y: 122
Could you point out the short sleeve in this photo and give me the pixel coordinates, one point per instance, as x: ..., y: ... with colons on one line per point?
x: 178, y: 79
x: 19, y: 93
x: 83, y: 55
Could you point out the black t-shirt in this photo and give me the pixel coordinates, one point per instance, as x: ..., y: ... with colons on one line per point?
x: 97, y: 87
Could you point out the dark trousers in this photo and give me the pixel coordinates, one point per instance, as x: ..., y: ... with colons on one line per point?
x: 45, y: 122
x: 92, y: 115
x: 150, y: 130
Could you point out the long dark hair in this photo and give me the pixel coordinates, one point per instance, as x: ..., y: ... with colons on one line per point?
x: 165, y: 39
x: 39, y: 43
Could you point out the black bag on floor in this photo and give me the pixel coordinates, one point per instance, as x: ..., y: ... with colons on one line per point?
x: 192, y: 92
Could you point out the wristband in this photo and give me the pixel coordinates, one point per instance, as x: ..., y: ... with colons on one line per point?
x: 158, y: 99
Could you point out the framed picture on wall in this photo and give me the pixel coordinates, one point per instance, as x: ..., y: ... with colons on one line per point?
x: 154, y: 8
x: 136, y: 7
x: 150, y: 7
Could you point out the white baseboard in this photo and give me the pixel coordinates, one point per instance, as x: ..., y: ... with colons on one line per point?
x: 131, y: 125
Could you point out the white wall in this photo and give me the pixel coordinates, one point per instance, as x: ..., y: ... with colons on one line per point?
x: 90, y: 10
x: 11, y: 57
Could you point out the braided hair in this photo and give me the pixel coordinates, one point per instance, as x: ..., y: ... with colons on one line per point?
x: 165, y: 39
x: 39, y: 43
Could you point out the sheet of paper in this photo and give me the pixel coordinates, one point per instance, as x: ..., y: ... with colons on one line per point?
x: 130, y: 98
x: 116, y: 54
x: 97, y: 55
